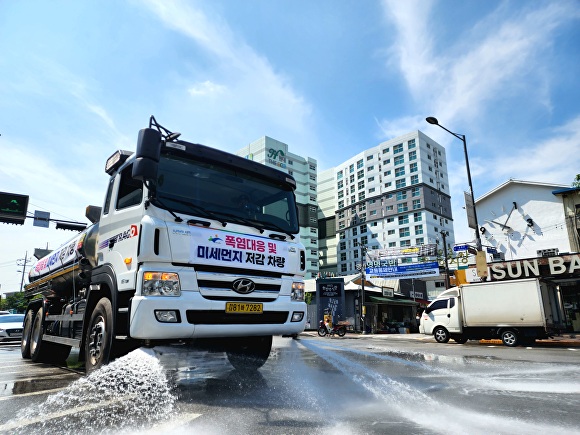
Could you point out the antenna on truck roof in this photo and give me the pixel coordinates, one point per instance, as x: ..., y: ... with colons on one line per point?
x: 168, y: 136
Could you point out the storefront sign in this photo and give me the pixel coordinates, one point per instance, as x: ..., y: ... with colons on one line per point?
x: 568, y: 265
x: 330, y: 298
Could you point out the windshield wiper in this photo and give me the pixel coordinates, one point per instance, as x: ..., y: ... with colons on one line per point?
x: 202, y: 211
x: 241, y: 220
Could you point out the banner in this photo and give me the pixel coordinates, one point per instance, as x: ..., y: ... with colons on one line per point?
x: 415, y: 270
x: 405, y: 252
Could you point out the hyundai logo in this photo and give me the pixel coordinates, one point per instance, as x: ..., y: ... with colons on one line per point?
x: 243, y: 286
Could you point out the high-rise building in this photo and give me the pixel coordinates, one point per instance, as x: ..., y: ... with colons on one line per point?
x: 274, y: 153
x: 393, y: 195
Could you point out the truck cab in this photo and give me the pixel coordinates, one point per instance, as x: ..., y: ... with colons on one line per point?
x: 442, y: 317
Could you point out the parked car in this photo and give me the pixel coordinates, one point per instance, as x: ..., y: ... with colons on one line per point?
x: 4, y: 312
x: 11, y: 327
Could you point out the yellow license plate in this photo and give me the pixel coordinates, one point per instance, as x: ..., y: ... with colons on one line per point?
x: 244, y: 308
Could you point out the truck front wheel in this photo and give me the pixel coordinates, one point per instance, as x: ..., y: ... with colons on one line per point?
x: 99, y: 336
x: 509, y: 338
x: 441, y: 335
x: 249, y: 353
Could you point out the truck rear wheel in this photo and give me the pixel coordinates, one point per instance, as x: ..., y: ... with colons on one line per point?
x: 460, y: 339
x: 26, y: 334
x: 441, y: 335
x: 40, y: 350
x: 99, y: 336
x: 509, y: 338
x: 249, y: 353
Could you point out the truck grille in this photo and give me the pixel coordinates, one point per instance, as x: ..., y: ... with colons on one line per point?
x: 220, y: 287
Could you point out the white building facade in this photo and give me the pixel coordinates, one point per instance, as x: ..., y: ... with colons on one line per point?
x: 274, y: 153
x: 393, y: 195
x: 526, y: 219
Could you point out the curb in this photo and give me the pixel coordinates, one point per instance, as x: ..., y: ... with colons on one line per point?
x: 420, y: 337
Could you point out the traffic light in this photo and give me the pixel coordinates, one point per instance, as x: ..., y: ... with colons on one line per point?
x: 73, y: 226
x: 13, y: 208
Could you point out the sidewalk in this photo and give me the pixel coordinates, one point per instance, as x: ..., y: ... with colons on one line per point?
x: 564, y: 340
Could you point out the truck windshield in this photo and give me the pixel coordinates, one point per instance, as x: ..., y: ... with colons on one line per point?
x: 211, y: 190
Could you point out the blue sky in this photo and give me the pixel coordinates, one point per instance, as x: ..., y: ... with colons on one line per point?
x: 329, y: 78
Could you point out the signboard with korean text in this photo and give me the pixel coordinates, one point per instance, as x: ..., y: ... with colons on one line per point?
x: 415, y: 270
x: 330, y: 298
x: 405, y: 252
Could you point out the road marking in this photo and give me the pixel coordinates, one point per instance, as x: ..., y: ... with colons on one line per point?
x: 35, y: 393
x: 174, y: 423
x: 64, y: 413
x: 37, y: 378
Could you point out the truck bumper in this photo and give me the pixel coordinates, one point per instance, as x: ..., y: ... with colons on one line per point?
x: 202, y: 318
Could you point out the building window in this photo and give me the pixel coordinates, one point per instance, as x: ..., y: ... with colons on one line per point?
x: 373, y: 213
x: 404, y: 219
x: 339, y: 175
x: 414, y: 179
x: 404, y: 243
x: 404, y: 232
x: 416, y: 204
x: 386, y: 150
x: 351, y: 178
x: 361, y: 185
x: 343, y: 256
x: 418, y: 229
x: 398, y: 148
x: 371, y: 190
x: 391, y: 232
x: 360, y: 174
x: 371, y: 168
x: 386, y: 173
x: 370, y: 157
x: 341, y: 204
x: 413, y: 167
x: 390, y: 220
x: 359, y: 164
x: 411, y: 143
x: 400, y: 171
x: 390, y: 208
x: 340, y: 194
x: 413, y: 155
x: 401, y: 195
x: 402, y: 207
x: 392, y: 244
x: 371, y: 179
x: 417, y: 217
x: 400, y: 183
x: 415, y: 191
x: 399, y: 160
x: 361, y: 196
x: 339, y: 185
x: 419, y: 241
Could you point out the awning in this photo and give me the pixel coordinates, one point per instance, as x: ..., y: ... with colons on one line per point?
x: 391, y: 301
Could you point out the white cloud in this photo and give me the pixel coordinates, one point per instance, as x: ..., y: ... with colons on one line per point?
x: 250, y: 96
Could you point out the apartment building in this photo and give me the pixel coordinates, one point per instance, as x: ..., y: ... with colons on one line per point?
x: 274, y: 153
x: 393, y: 195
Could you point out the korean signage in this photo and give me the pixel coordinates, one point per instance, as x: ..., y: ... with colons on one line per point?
x: 276, y: 158
x: 330, y: 298
x: 405, y: 252
x: 415, y: 270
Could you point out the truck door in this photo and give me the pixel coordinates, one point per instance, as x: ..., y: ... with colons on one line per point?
x: 438, y: 314
x: 120, y: 226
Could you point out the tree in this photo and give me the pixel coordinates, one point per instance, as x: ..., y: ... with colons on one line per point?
x: 17, y: 302
x: 576, y: 182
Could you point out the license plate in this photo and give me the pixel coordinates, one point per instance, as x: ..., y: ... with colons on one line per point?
x: 244, y: 308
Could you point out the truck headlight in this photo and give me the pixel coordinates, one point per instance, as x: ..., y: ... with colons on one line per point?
x: 297, y: 291
x: 160, y: 284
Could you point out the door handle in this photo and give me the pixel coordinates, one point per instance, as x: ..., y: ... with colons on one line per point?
x: 448, y: 315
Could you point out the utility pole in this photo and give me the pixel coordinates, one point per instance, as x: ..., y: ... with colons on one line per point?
x: 23, y: 265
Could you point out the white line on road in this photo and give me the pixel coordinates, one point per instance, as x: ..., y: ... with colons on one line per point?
x: 34, y: 393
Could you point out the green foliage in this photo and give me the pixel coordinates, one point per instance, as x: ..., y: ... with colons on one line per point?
x: 308, y: 298
x: 15, y: 302
x: 576, y: 182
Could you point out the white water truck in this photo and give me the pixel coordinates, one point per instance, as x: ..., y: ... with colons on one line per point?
x: 192, y: 244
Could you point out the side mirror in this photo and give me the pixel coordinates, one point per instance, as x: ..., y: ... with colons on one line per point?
x: 147, y: 154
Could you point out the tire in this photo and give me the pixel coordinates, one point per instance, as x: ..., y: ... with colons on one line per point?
x: 509, y: 338
x: 26, y: 334
x: 460, y: 340
x: 249, y: 353
x: 99, y: 336
x: 341, y: 331
x: 44, y: 351
x: 441, y: 335
x: 322, y: 331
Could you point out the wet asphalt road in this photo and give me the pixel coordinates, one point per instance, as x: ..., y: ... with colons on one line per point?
x: 310, y: 385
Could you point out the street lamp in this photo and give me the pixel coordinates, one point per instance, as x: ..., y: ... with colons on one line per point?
x: 444, y: 234
x: 432, y: 120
